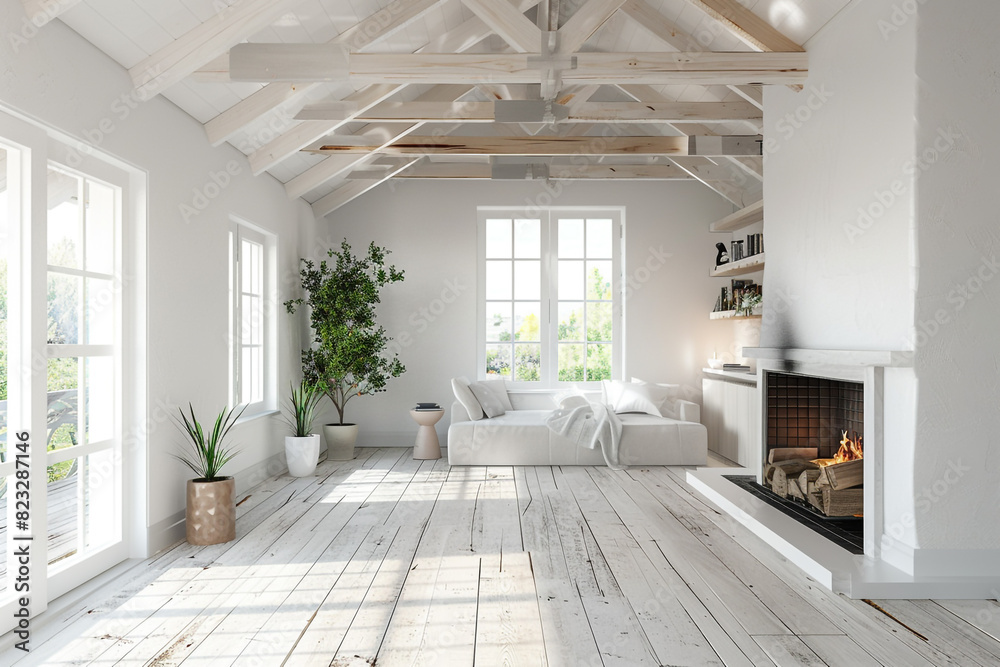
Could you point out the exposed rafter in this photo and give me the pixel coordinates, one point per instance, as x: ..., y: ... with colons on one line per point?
x: 355, y: 189
x: 591, y: 112
x: 377, y: 136
x: 508, y: 22
x: 364, y: 34
x: 609, y: 172
x: 233, y: 24
x: 746, y: 25
x: 736, y: 68
x: 553, y: 145
x: 585, y: 23
x: 459, y: 39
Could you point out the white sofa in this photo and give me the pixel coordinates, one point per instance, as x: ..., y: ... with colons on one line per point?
x: 521, y: 437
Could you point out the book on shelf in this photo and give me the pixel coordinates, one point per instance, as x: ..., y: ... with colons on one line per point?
x: 735, y: 367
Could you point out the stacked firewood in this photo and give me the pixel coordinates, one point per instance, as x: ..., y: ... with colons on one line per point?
x: 832, y: 488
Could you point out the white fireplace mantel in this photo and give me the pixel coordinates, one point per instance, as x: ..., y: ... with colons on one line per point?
x: 885, y: 358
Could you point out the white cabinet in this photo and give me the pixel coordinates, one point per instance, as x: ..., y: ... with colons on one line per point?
x: 731, y: 413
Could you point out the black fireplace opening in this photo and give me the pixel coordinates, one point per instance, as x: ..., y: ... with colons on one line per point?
x: 813, y: 468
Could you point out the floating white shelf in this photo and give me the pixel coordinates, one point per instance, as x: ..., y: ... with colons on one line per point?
x: 740, y: 219
x: 746, y: 265
x: 732, y: 315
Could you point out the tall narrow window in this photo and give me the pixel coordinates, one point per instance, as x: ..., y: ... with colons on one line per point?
x: 83, y: 337
x: 550, y: 295
x: 252, y: 305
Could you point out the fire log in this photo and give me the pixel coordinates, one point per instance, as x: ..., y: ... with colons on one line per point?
x: 783, y: 471
x: 840, y: 476
x: 779, y: 454
x: 846, y: 502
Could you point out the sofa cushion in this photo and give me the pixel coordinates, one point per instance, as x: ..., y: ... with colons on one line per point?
x: 623, y: 397
x: 460, y: 386
x: 499, y: 389
x: 488, y: 399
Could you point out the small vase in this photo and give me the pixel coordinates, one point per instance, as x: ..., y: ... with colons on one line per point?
x: 340, y: 439
x: 210, y: 517
x: 302, y: 453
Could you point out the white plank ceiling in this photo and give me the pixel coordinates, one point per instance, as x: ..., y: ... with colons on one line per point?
x: 131, y: 32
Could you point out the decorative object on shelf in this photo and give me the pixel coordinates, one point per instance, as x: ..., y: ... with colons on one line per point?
x: 723, y: 256
x: 715, y: 363
x: 302, y: 447
x: 210, y: 513
x: 749, y: 300
x: 350, y: 354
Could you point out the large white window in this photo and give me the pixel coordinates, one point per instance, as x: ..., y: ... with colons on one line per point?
x: 550, y: 295
x: 252, y: 307
x: 71, y: 344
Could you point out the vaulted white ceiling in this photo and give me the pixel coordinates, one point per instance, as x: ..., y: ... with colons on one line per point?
x: 179, y: 49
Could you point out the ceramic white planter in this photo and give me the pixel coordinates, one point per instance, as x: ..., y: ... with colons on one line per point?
x: 340, y: 439
x: 302, y: 454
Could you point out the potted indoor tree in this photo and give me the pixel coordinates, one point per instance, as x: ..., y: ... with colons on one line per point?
x: 302, y: 447
x: 349, y: 355
x: 210, y: 516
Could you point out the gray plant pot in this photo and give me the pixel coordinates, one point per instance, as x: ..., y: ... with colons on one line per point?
x: 340, y: 439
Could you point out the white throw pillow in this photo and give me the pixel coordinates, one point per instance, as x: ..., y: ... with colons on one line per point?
x: 636, y: 398
x: 463, y: 393
x: 665, y: 397
x: 499, y: 389
x: 488, y: 399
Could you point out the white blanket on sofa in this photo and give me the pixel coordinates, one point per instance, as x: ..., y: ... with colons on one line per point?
x: 588, y: 424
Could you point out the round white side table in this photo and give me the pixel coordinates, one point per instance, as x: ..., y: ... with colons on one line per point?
x: 427, y: 445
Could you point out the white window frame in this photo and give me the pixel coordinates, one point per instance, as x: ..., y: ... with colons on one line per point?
x: 241, y: 230
x: 549, y: 289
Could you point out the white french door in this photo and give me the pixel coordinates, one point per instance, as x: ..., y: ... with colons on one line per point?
x: 62, y: 341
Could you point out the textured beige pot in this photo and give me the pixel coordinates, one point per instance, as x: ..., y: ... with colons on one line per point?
x: 340, y: 439
x: 211, y: 511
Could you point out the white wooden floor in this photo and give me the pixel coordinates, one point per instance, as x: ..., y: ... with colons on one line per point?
x: 388, y: 561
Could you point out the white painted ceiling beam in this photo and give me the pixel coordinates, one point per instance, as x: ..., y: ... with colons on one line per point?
x: 378, y: 137
x: 507, y: 21
x: 459, y: 39
x: 707, y: 68
x: 553, y: 145
x: 364, y: 34
x: 745, y: 25
x: 233, y: 24
x: 590, y: 112
x: 585, y: 23
x: 355, y: 189
x: 610, y: 172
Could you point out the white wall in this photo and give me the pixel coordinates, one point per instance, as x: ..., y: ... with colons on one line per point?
x: 60, y: 79
x: 834, y: 280
x: 958, y: 292
x: 431, y: 229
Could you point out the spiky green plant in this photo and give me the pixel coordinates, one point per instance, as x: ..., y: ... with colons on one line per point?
x: 301, y: 408
x: 208, y: 452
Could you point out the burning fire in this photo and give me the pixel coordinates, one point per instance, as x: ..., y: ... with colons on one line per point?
x: 850, y: 450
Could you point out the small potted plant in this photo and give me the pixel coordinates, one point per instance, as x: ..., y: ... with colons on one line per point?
x: 349, y: 356
x: 210, y: 516
x: 302, y: 447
